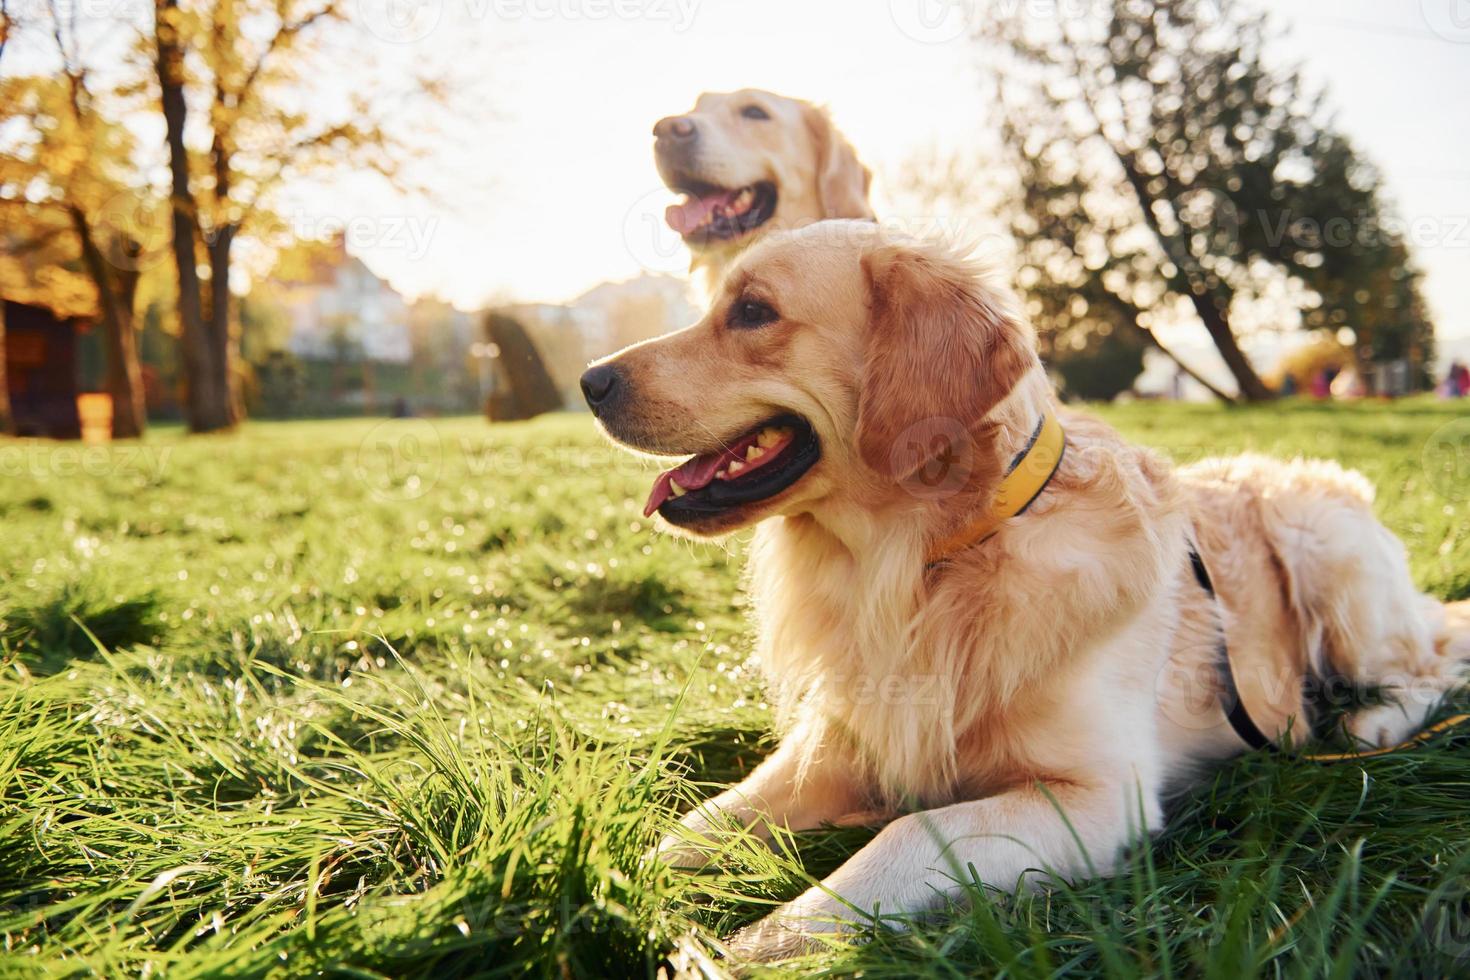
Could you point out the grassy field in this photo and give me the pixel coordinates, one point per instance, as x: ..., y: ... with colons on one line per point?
x: 411, y: 699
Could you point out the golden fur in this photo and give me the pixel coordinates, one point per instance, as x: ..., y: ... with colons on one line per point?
x: 1066, y: 665
x: 815, y: 169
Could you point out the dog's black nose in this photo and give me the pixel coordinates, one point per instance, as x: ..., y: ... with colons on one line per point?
x: 675, y: 129
x: 598, y: 385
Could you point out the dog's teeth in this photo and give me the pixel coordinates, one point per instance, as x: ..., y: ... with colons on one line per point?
x: 735, y: 467
x: 767, y: 438
x: 754, y: 453
x: 676, y: 491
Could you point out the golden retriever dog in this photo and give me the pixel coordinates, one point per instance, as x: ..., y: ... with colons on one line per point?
x: 1014, y: 701
x: 752, y: 162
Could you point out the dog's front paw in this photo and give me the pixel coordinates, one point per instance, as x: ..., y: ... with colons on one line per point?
x: 770, y: 941
x: 1383, y: 726
x: 795, y: 929
x: 677, y: 851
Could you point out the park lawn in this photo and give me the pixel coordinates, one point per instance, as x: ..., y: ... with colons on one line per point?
x: 412, y: 699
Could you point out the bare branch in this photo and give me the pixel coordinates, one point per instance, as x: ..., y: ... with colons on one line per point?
x: 76, y: 74
x: 287, y: 31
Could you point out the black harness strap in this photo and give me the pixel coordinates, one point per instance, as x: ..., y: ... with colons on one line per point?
x: 1230, y: 700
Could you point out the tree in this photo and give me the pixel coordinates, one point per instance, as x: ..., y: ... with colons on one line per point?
x: 1088, y: 339
x: 252, y: 64
x: 115, y: 274
x: 5, y: 425
x: 7, y: 24
x: 6, y: 428
x: 524, y: 389
x: 65, y: 185
x: 208, y: 404
x: 1091, y: 335
x: 1162, y: 158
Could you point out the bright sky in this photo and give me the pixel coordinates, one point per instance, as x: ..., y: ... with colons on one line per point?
x: 552, y: 189
x: 562, y: 194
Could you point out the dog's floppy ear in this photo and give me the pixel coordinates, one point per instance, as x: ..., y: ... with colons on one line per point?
x: 942, y: 351
x: 842, y: 180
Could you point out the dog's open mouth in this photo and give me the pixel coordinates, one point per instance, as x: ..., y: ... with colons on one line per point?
x: 712, y: 213
x: 759, y: 464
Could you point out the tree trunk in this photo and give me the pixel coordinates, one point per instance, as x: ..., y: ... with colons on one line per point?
x: 1252, y: 388
x: 116, y: 289
x: 124, y: 373
x: 207, y: 404
x: 224, y: 344
x: 5, y: 426
x: 530, y: 390
x: 219, y: 244
x: 1204, y: 382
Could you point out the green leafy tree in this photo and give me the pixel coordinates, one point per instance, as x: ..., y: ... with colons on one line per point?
x: 1161, y: 159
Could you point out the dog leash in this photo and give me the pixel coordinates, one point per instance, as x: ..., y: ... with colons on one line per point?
x: 1030, y: 473
x: 1235, y: 710
x: 1250, y: 733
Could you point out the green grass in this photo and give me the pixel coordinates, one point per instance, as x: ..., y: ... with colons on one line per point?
x: 270, y: 707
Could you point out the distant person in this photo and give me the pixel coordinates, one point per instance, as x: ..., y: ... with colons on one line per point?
x: 1347, y: 384
x: 1288, y: 385
x: 401, y: 408
x: 1457, y: 380
x: 1321, y: 387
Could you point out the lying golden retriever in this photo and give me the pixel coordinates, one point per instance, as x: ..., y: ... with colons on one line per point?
x: 752, y: 162
x: 1009, y: 687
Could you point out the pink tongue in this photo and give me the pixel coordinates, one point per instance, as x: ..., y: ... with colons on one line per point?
x: 692, y: 213
x: 695, y: 473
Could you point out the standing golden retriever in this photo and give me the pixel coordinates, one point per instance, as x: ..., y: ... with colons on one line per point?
x: 751, y: 162
x: 1010, y: 688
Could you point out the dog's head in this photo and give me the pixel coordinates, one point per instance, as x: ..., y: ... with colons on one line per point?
x: 751, y: 162
x: 835, y: 364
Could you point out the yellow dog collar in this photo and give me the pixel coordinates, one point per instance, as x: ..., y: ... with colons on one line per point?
x: 1029, y: 474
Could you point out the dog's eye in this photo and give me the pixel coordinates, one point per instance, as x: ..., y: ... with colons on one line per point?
x: 751, y: 313
x: 754, y: 112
